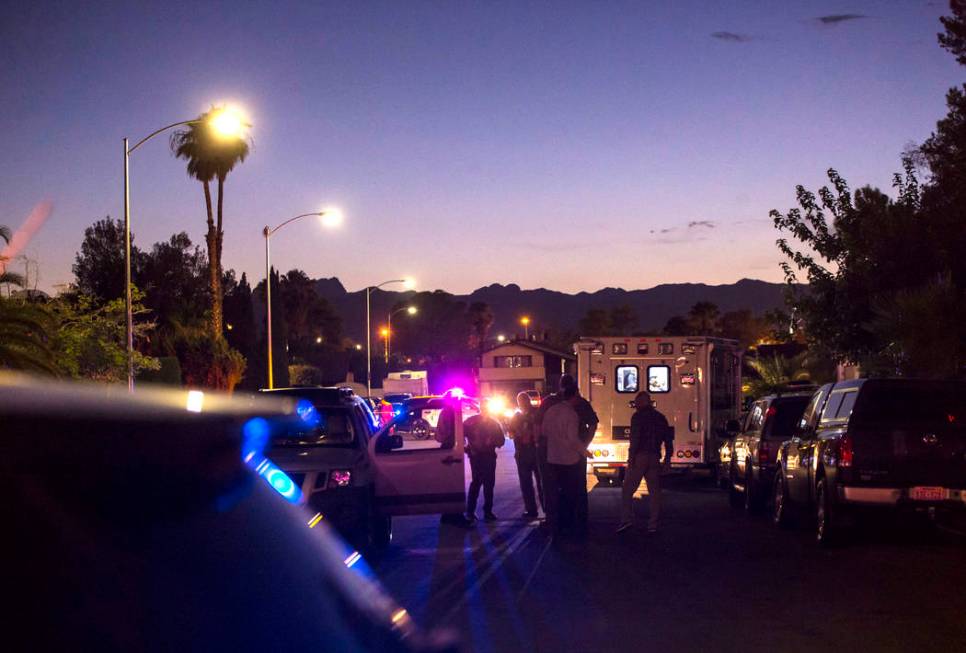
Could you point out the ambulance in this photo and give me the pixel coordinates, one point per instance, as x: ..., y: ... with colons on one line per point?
x: 695, y: 381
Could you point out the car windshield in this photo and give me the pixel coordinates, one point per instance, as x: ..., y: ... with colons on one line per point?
x: 788, y: 411
x: 320, y: 426
x: 920, y: 404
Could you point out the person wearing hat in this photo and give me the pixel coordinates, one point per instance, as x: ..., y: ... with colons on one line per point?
x: 649, y: 431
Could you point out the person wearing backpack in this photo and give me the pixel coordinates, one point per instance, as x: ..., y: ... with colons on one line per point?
x: 483, y: 436
x: 649, y: 431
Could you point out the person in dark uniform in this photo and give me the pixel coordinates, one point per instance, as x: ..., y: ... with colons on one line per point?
x: 483, y: 436
x: 649, y: 432
x: 523, y: 431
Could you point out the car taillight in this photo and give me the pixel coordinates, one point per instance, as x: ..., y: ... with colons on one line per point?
x: 845, y: 451
x: 764, y: 452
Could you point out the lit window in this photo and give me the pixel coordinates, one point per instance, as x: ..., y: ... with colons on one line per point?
x: 666, y: 348
x: 626, y: 377
x: 620, y: 349
x: 658, y: 378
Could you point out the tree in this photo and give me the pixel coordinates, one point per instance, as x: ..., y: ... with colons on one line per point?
x: 744, y: 327
x: 173, y: 278
x: 855, y: 251
x: 22, y: 342
x: 623, y: 320
x: 99, y: 265
x: 89, y: 340
x: 676, y: 326
x: 954, y: 39
x: 594, y: 323
x: 442, y: 331
x: 703, y: 319
x: 775, y: 373
x: 308, y: 316
x: 280, y: 358
x: 239, y: 314
x: 480, y: 316
x: 211, y: 157
x: 208, y: 362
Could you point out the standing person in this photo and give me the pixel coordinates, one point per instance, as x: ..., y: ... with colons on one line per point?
x: 566, y: 464
x: 523, y: 432
x: 483, y: 436
x: 649, y: 430
x: 587, y: 421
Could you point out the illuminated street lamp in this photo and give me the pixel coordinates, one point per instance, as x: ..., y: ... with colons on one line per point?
x: 408, y: 284
x: 501, y: 338
x: 410, y: 310
x: 329, y: 218
x: 525, y: 321
x: 227, y: 123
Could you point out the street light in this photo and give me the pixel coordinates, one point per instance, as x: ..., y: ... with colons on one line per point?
x: 501, y: 338
x: 227, y: 123
x: 525, y: 321
x: 329, y: 218
x: 408, y: 284
x: 411, y: 310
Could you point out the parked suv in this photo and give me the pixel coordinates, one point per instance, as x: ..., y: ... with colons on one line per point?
x: 753, y: 451
x: 328, y: 459
x: 874, y: 443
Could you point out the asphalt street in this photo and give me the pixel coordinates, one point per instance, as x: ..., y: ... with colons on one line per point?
x: 712, y: 579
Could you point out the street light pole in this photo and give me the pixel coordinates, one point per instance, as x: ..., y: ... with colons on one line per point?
x: 409, y: 309
x: 227, y: 128
x: 128, y: 310
x: 268, y: 305
x: 369, y: 290
x: 334, y: 218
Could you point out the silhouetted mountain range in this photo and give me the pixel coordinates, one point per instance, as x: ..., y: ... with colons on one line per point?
x: 552, y: 309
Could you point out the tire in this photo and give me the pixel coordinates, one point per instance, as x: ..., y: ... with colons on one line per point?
x: 781, y: 514
x: 754, y: 501
x: 828, y: 529
x: 735, y: 498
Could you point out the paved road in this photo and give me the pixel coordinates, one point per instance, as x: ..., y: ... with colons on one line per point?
x: 713, y: 579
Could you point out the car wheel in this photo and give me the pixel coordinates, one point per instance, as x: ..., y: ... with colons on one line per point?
x: 828, y: 532
x: 781, y: 508
x: 735, y: 497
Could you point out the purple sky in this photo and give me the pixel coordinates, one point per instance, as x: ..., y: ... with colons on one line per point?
x: 564, y: 145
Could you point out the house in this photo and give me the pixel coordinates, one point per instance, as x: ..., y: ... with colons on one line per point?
x: 518, y: 365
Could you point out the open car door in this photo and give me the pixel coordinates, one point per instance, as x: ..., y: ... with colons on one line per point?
x: 418, y: 460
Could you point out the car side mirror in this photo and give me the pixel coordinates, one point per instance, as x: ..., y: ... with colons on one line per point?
x: 395, y: 441
x: 733, y: 427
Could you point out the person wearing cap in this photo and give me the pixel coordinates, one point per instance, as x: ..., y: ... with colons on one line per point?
x: 566, y: 425
x: 523, y: 431
x: 649, y: 431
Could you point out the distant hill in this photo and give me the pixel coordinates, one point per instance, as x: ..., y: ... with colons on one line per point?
x: 549, y: 308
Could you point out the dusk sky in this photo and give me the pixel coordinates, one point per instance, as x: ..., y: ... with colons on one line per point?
x: 567, y: 145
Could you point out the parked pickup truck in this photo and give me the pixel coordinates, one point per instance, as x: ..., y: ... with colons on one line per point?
x: 897, y: 444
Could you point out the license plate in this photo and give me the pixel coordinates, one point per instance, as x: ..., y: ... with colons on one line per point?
x: 927, y: 494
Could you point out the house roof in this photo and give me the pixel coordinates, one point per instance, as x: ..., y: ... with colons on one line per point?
x: 536, y: 346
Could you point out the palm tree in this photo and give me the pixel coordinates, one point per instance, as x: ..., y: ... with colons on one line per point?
x: 210, y: 157
x: 481, y: 319
x: 703, y: 318
x: 775, y: 373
